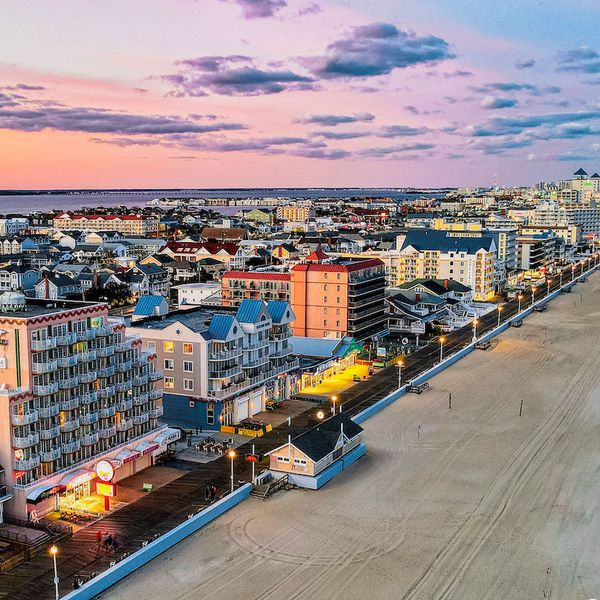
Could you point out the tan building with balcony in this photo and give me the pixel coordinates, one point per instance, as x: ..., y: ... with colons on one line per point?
x: 137, y: 225
x: 254, y: 285
x: 74, y: 390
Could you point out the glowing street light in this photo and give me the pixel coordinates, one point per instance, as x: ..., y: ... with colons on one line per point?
x: 333, y: 401
x: 499, y: 312
x: 231, y: 454
x: 442, y: 340
x: 53, y: 553
x: 533, y: 295
x: 549, y: 282
x: 475, y: 321
x: 400, y: 373
x: 519, y: 298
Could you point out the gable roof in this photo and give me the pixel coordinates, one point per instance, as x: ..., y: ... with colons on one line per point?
x: 280, y: 310
x: 580, y: 172
x: 443, y: 241
x: 146, y: 305
x: 220, y: 326
x: 249, y: 311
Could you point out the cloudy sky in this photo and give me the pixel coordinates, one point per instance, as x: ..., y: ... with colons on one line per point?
x: 241, y: 93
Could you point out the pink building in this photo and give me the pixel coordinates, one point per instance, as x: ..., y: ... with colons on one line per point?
x: 74, y: 391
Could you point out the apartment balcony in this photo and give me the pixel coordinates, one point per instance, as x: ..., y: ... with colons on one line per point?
x: 107, y: 432
x: 125, y: 425
x: 106, y: 371
x: 26, y: 419
x: 70, y: 404
x: 69, y: 383
x: 12, y: 392
x: 123, y: 346
x: 256, y: 345
x: 140, y: 399
x: 67, y: 361
x: 124, y: 386
x: 263, y: 360
x: 88, y: 356
x: 70, y: 447
x: 88, y: 418
x: 279, y: 337
x: 225, y: 373
x: 288, y: 365
x: 68, y: 338
x: 88, y: 377
x: 44, y: 367
x: 366, y: 301
x: 47, y: 412
x: 40, y: 345
x: 155, y: 375
x: 125, y: 366
x: 88, y: 398
x: 225, y: 355
x: 69, y: 426
x: 89, y: 439
x: 50, y: 455
x: 86, y: 335
x: 107, y: 412
x: 142, y: 380
x: 155, y: 413
x: 354, y: 291
x: 353, y: 315
x: 27, y: 464
x: 370, y: 323
x: 105, y: 330
x: 105, y: 351
x: 50, y: 433
x: 141, y: 419
x: 282, y: 353
x: 124, y: 406
x: 107, y: 392
x: 155, y: 394
x: 45, y: 389
x: 25, y: 442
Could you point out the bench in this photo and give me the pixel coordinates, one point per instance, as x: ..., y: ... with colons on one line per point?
x: 516, y: 323
x: 147, y: 487
x: 484, y: 345
x: 540, y: 308
x: 419, y: 388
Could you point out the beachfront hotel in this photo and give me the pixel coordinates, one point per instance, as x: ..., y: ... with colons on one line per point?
x: 142, y: 225
x: 74, y: 392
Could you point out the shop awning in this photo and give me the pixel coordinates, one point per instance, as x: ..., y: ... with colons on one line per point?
x: 125, y: 456
x: 146, y: 447
x: 72, y: 480
x: 167, y: 436
x: 42, y: 492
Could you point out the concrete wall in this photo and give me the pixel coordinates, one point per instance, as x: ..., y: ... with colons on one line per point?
x: 144, y: 555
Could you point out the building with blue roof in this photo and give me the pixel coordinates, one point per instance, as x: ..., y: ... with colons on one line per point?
x: 150, y: 306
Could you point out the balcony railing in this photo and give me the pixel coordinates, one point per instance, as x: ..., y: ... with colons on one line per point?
x: 12, y: 392
x: 155, y: 413
x: 124, y: 424
x: 253, y: 364
x: 107, y: 392
x: 25, y: 419
x: 155, y: 394
x: 107, y: 412
x: 67, y: 361
x: 25, y: 442
x: 47, y: 412
x: 45, y: 389
x: 88, y: 356
x: 86, y: 335
x: 279, y: 337
x: 125, y: 366
x: 50, y: 455
x: 141, y: 419
x: 89, y: 439
x: 69, y: 404
x: 140, y: 399
x: 106, y: 371
x: 69, y: 426
x: 124, y: 406
x: 105, y: 351
x: 107, y: 432
x: 281, y: 353
x: 155, y: 376
x: 40, y: 345
x: 88, y: 398
x: 70, y: 447
x: 225, y: 373
x: 124, y: 386
x: 68, y: 338
x: 225, y: 355
x: 142, y: 380
x: 88, y: 418
x: 27, y: 464
x: 256, y: 345
x: 50, y: 433
x: 44, y: 367
x: 68, y: 383
x: 88, y: 377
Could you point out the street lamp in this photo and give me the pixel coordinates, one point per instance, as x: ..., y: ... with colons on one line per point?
x: 499, y: 311
x: 442, y: 340
x: 549, y: 282
x: 533, y: 295
x: 399, y: 373
x: 475, y: 321
x: 333, y: 401
x: 231, y: 455
x: 519, y: 298
x: 560, y: 278
x: 53, y: 553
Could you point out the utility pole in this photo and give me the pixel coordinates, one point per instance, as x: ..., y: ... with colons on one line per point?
x: 449, y: 400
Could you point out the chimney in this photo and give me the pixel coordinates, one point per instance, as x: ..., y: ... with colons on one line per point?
x: 418, y: 296
x: 446, y: 283
x: 95, y: 279
x: 46, y: 287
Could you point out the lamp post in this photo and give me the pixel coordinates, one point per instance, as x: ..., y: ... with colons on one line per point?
x: 231, y: 455
x: 475, y: 321
x: 560, y: 278
x: 399, y: 373
x: 532, y: 296
x: 549, y: 282
x: 499, y: 311
x: 54, y: 552
x: 442, y: 340
x: 333, y: 401
x: 519, y: 298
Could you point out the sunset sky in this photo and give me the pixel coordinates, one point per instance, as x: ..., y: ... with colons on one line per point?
x: 244, y: 93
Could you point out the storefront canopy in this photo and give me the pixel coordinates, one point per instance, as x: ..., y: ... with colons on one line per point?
x: 146, y: 447
x: 167, y: 436
x: 125, y: 456
x: 44, y: 491
x: 78, y: 477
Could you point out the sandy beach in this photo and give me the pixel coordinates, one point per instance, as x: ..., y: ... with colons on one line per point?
x: 469, y: 503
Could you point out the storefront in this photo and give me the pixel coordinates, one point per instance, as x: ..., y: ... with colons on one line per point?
x: 77, y: 486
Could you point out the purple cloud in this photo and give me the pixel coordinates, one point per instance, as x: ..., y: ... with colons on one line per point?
x: 259, y: 9
x: 333, y: 120
x: 525, y: 64
x: 494, y: 102
x: 580, y: 60
x: 377, y: 49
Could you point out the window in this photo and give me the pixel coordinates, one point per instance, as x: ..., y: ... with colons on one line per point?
x: 299, y: 461
x: 188, y: 366
x: 210, y: 413
x: 151, y: 345
x: 325, y: 311
x: 337, y: 299
x: 168, y: 346
x: 338, y: 275
x: 324, y: 322
x: 337, y: 323
x: 325, y: 287
x: 169, y: 364
x: 324, y: 298
x: 169, y: 383
x: 337, y: 288
x: 188, y: 349
x: 324, y: 275
x: 284, y: 459
x: 188, y: 385
x: 337, y: 311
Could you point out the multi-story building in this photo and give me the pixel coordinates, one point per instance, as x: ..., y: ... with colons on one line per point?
x: 221, y: 368
x: 295, y: 212
x: 432, y: 254
x: 336, y: 297
x: 142, y: 225
x: 536, y: 250
x: 13, y: 226
x: 73, y: 391
x: 230, y: 254
x: 255, y: 285
x: 571, y: 234
x: 550, y: 214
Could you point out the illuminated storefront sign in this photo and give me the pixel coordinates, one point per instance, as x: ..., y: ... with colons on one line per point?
x: 108, y: 490
x: 105, y: 470
x: 80, y: 479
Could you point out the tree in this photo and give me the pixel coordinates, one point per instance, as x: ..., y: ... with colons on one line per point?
x: 116, y: 294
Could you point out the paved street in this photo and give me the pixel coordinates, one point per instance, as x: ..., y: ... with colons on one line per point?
x: 169, y: 505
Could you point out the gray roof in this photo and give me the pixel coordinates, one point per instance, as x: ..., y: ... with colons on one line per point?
x: 432, y: 239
